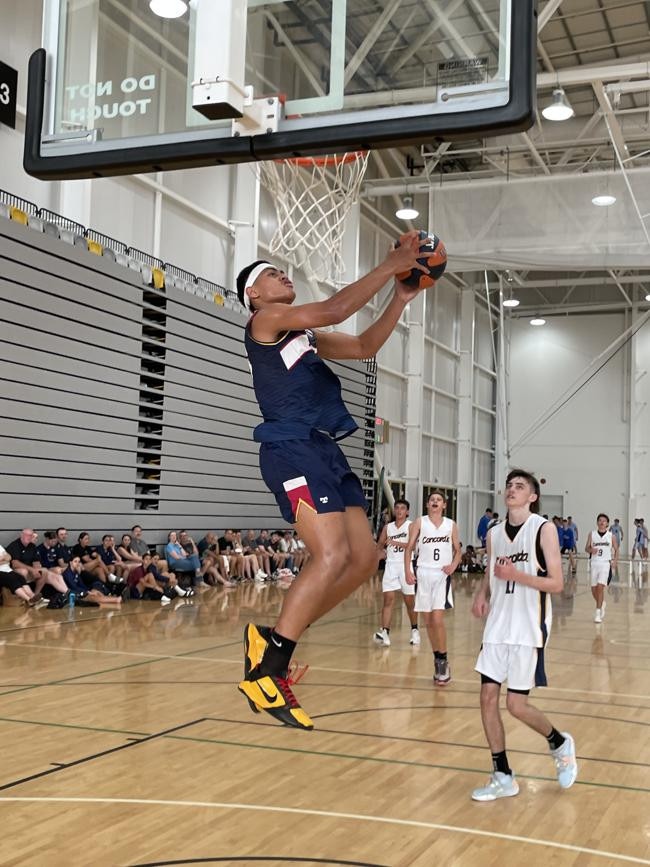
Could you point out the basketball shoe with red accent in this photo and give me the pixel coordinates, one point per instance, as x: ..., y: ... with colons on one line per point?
x: 256, y: 639
x: 273, y: 694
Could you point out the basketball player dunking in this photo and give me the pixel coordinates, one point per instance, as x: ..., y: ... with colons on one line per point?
x: 438, y: 558
x: 394, y: 538
x: 602, y: 546
x: 524, y: 567
x: 304, y: 415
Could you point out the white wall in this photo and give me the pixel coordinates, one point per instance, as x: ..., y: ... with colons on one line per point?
x: 583, y: 451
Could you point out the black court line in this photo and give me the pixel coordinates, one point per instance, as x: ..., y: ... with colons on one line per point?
x: 281, y: 859
x: 428, y: 741
x: 473, y: 709
x: 85, y: 759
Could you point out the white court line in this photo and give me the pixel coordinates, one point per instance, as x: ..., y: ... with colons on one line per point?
x: 189, y: 657
x: 384, y: 820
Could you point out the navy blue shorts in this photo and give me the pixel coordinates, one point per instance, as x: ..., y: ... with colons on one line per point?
x: 312, y: 474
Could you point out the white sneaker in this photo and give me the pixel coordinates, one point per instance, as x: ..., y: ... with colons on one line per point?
x: 164, y: 600
x: 113, y: 578
x: 415, y: 637
x: 500, y: 786
x: 598, y: 617
x: 382, y: 637
x: 259, y: 575
x: 602, y: 610
x: 566, y: 766
x: 180, y: 591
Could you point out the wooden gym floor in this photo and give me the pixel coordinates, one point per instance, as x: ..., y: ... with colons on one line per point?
x: 125, y: 742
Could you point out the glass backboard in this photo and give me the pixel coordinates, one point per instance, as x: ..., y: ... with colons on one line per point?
x: 111, y: 90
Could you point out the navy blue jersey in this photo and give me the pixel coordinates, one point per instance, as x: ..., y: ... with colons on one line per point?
x: 296, y: 391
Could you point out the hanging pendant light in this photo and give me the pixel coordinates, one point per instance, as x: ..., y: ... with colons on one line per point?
x: 560, y: 108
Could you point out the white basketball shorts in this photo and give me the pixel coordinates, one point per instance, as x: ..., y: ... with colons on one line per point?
x: 521, y: 666
x: 394, y: 579
x: 434, y: 591
x: 600, y: 572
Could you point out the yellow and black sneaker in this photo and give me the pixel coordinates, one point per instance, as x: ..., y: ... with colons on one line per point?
x: 273, y: 694
x: 256, y: 639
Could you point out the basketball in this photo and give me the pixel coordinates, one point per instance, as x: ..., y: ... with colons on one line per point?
x: 433, y: 258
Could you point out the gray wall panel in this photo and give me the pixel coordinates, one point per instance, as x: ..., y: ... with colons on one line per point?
x: 123, y: 404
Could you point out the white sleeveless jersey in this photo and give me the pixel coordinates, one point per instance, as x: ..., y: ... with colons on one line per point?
x: 518, y: 614
x: 397, y: 534
x: 602, y: 546
x: 436, y: 549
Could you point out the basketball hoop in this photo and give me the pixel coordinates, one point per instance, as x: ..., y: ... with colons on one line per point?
x: 312, y: 197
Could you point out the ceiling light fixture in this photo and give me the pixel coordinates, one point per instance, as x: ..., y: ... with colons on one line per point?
x: 407, y: 211
x: 647, y: 297
x: 603, y: 200
x: 538, y: 321
x: 168, y: 8
x: 511, y: 302
x: 560, y: 108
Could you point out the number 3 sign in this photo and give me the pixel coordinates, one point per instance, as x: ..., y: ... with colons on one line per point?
x: 8, y: 88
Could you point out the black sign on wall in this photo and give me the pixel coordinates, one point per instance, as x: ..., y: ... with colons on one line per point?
x: 8, y: 90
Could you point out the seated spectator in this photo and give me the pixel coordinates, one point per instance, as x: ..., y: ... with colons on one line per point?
x: 118, y: 569
x: 251, y: 563
x: 167, y: 582
x: 72, y: 575
x: 140, y: 547
x: 214, y: 565
x: 188, y: 545
x: 469, y: 561
x: 46, y: 552
x: 63, y: 551
x: 281, y: 556
x: 24, y: 561
x: 91, y: 562
x: 141, y: 584
x: 300, y: 545
x: 226, y: 545
x: 178, y: 559
x: 15, y: 583
x: 126, y: 551
x: 250, y: 546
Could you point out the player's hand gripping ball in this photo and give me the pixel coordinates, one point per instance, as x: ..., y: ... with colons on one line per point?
x: 433, y: 257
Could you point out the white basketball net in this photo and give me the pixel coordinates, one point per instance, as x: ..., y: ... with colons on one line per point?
x: 312, y: 198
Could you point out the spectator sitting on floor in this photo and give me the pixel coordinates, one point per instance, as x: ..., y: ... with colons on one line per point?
x: 213, y: 564
x: 90, y: 560
x: 63, y: 550
x: 46, y: 552
x: 24, y: 561
x: 252, y: 568
x: 469, y: 561
x: 251, y: 545
x: 15, y: 583
x: 179, y: 561
x: 72, y: 575
x: 227, y: 548
x: 141, y: 584
x: 118, y: 570
x: 283, y: 558
x: 188, y: 545
x: 126, y: 551
x: 166, y: 581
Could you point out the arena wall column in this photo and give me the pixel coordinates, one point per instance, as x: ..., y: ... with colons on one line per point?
x: 414, y: 388
x: 464, y: 516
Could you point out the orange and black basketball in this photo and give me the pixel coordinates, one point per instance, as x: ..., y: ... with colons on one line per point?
x: 433, y: 257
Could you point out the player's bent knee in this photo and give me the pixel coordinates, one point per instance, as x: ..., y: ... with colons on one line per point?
x: 516, y: 704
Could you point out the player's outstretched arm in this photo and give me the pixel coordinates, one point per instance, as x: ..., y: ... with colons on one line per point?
x: 414, y: 532
x: 276, y: 318
x: 337, y: 345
